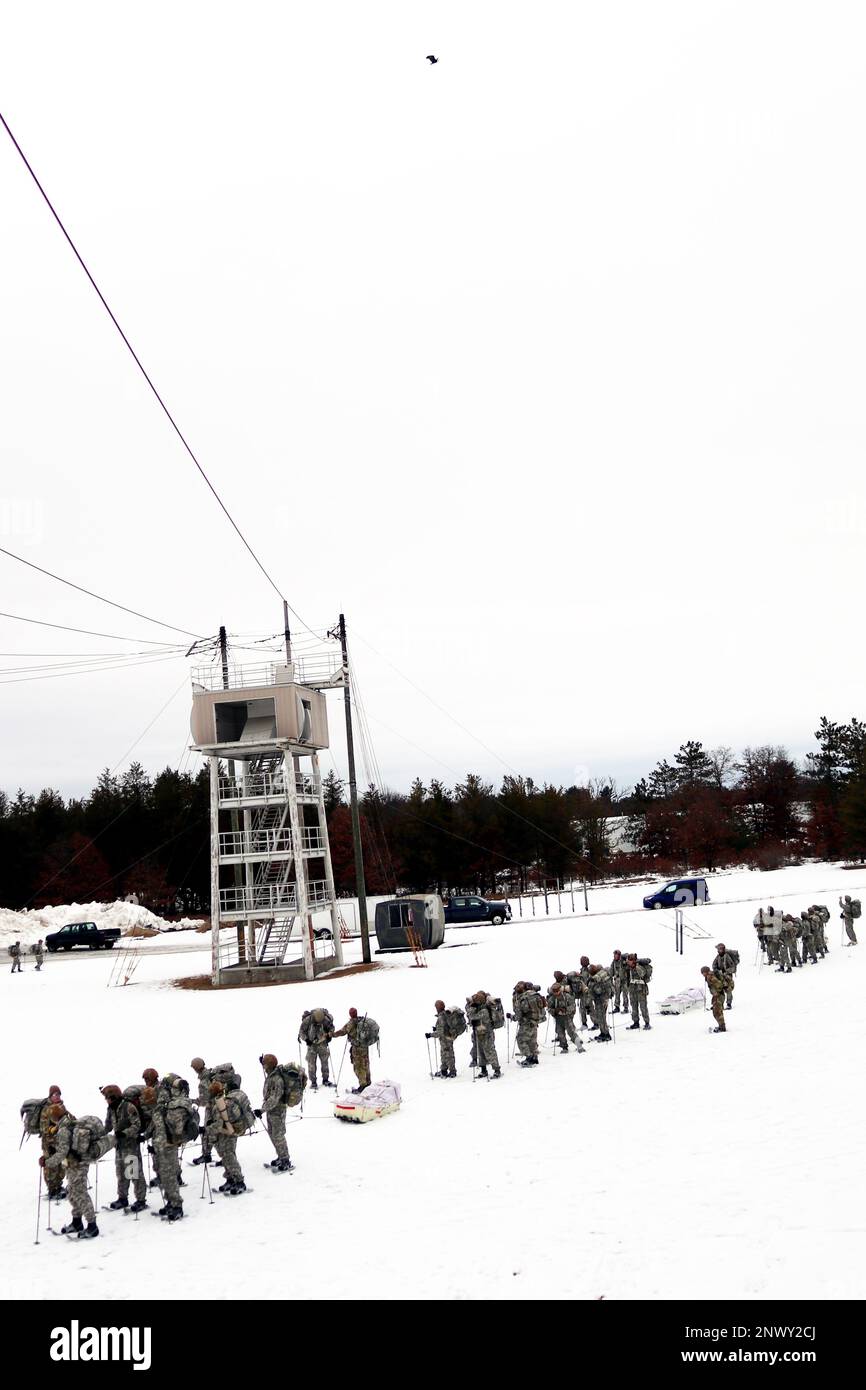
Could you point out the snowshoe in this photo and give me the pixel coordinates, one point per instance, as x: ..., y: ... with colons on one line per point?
x: 646, y: 1027
x: 119, y: 1205
x: 139, y: 1206
x: 496, y: 1075
x: 174, y: 1214
x: 202, y: 1158
x: 632, y: 1026
x: 75, y: 1225
x: 90, y: 1233
x: 329, y: 1084
x: 285, y: 1165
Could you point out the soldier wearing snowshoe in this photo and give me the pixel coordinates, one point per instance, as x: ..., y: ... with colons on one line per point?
x: 618, y: 972
x: 529, y: 1012
x: 124, y: 1121
x: 637, y: 992
x: 479, y: 1013
x: 223, y: 1131
x: 47, y: 1133
x: 316, y: 1030
x: 204, y: 1077
x: 848, y: 914
x: 716, y: 985
x: 820, y: 916
x: 561, y: 1007
x: 444, y: 1034
x: 807, y: 936
x: 359, y: 1051
x: 274, y: 1106
x: 166, y: 1146
x: 15, y: 953
x: 725, y: 966
x: 600, y: 991
x: 788, y: 938
x: 76, y: 1165
x: 581, y: 990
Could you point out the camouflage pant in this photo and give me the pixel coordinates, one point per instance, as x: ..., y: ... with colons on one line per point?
x: 128, y: 1168
x: 772, y: 949
x: 484, y: 1049
x: 809, y: 949
x: 359, y: 1056
x: 79, y: 1197
x: 638, y: 999
x: 166, y: 1160
x: 599, y: 1012
x: 849, y: 927
x: 821, y: 942
x: 564, y: 1029
x: 226, y: 1146
x: 53, y: 1176
x: 446, y: 1054
x: 276, y: 1122
x: 793, y: 953
x: 718, y: 1012
x: 729, y: 992
x: 318, y: 1052
x: 783, y: 957
x: 581, y: 1004
x: 527, y: 1038
x: 620, y: 994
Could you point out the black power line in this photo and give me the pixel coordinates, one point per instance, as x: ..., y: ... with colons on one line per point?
x: 141, y: 368
x: 86, y: 631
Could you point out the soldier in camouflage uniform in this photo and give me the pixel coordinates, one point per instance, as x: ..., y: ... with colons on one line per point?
x: 204, y: 1076
x: 600, y: 990
x: 619, y: 975
x: 76, y: 1174
x: 224, y: 1137
x: 15, y: 953
x: 123, y: 1120
x: 165, y: 1151
x: 561, y: 1007
x: 39, y: 953
x: 47, y: 1133
x: 273, y: 1111
x: 817, y: 921
x: 581, y: 991
x: 480, y: 1017
x: 725, y: 966
x: 529, y: 1011
x: 447, y: 1061
x: 847, y: 915
x: 807, y: 934
x: 359, y: 1052
x: 716, y: 986
x: 637, y: 993
x: 315, y: 1031
x: 788, y: 938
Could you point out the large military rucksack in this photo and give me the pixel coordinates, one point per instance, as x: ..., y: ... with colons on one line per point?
x: 31, y: 1114
x: 855, y: 907
x: 530, y: 1006
x: 294, y: 1080
x: 311, y: 1032
x: 497, y: 1013
x: 226, y: 1073
x: 89, y: 1140
x: 240, y: 1112
x: 455, y: 1023
x: 367, y: 1031
x: 181, y: 1120
x: 647, y: 965
x: 735, y: 957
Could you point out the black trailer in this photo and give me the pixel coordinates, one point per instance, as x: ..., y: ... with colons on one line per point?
x: 423, y: 912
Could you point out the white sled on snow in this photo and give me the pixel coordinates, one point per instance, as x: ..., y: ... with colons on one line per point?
x: 678, y: 1003
x: 380, y: 1098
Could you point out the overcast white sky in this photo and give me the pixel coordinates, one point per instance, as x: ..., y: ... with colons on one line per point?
x: 545, y: 364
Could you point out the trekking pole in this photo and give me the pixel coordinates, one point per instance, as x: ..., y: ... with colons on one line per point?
x: 342, y: 1060
x: 508, y: 1039
x: 96, y: 1185
x: 429, y: 1063
x: 209, y: 1188
x: 39, y: 1206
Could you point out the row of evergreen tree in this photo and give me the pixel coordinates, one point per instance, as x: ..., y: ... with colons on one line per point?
x: 705, y: 809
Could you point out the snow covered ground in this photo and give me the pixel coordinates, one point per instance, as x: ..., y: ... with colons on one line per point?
x: 681, y: 1165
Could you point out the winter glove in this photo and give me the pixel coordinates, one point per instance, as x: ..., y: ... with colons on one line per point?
x: 258, y: 1114
x: 41, y: 1160
x: 428, y: 1035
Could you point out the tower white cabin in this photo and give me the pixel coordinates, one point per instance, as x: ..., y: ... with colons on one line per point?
x: 261, y: 729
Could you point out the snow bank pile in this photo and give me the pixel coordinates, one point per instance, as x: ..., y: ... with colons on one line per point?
x: 28, y: 927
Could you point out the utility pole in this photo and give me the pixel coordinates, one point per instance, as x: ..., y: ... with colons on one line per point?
x: 353, y: 800
x: 286, y: 633
x: 225, y: 658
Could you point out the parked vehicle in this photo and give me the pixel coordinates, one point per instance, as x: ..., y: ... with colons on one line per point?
x: 476, y: 910
x: 82, y: 934
x: 680, y: 892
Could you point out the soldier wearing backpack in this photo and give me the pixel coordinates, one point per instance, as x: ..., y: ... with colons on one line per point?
x: 275, y: 1100
x: 225, y: 1122
x: 850, y: 911
x: 618, y: 972
x: 173, y: 1123
x: 77, y: 1144
x: 481, y: 1014
x: 529, y: 1012
x: 580, y: 988
x: 639, y: 973
x: 820, y: 916
x: 37, y: 1120
x: 449, y: 1025
x: 15, y: 953
x: 716, y: 986
x: 807, y: 935
x: 725, y: 966
x: 561, y: 1007
x: 316, y: 1030
x: 204, y: 1076
x: 124, y: 1121
x: 361, y: 1032
x: 600, y: 991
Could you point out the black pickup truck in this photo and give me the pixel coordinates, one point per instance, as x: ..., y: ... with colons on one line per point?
x: 476, y: 910
x: 82, y: 934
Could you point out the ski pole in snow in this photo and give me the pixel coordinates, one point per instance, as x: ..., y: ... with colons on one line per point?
x: 429, y: 1063
x: 96, y: 1185
x: 508, y: 1037
x: 39, y: 1205
x: 342, y: 1060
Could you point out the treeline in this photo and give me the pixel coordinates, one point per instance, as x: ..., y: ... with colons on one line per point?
x: 706, y: 808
